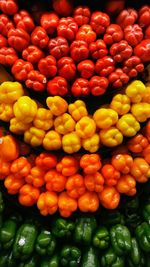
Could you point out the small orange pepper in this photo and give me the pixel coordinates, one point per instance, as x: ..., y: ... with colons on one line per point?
x: 140, y: 170
x: 75, y: 186
x: 126, y: 185
x: 13, y: 184
x: 88, y: 202
x: 46, y: 161
x: 109, y: 197
x: 138, y: 143
x: 4, y: 169
x: 66, y: 204
x: 94, y: 182
x: 90, y: 163
x: 146, y: 154
x: 20, y: 167
x: 122, y: 163
x: 55, y: 181
x: 28, y: 195
x: 68, y: 166
x: 47, y: 203
x: 9, y: 149
x: 36, y: 177
x: 110, y: 174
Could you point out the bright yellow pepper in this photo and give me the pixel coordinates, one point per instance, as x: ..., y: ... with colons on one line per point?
x: 77, y: 110
x: 64, y: 124
x: 34, y: 136
x: 111, y: 137
x: 10, y: 92
x: 92, y: 143
x: 43, y: 119
x: 18, y: 127
x: 85, y: 127
x: 121, y: 104
x: 25, y: 109
x: 71, y: 143
x: 57, y: 105
x: 141, y: 111
x: 136, y: 91
x: 128, y: 125
x: 105, y: 118
x: 52, y: 141
x: 6, y: 112
x: 146, y: 98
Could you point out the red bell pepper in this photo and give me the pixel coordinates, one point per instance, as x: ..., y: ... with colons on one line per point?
x: 147, y: 33
x: 133, y: 66
x: 79, y: 50
x: 133, y: 34
x: 8, y: 56
x: 85, y: 33
x: 127, y: 17
x: 104, y: 66
x: 3, y: 41
x: 142, y: 50
x: 57, y: 86
x: 36, y: 81
x: 98, y: 49
x: 67, y: 28
x: 80, y: 87
x: 99, y: 22
x: 46, y: 161
x: 144, y: 16
x: 98, y: 85
x: 118, y: 78
x: 24, y: 21
x: 18, y: 39
x: 20, y: 69
x: 58, y: 47
x: 9, y: 7
x: 5, y: 25
x: 121, y: 51
x: 47, y: 66
x: 66, y: 68
x: 82, y: 15
x: 32, y: 54
x: 113, y: 7
x: 39, y: 37
x: 113, y: 34
x: 86, y: 68
x: 63, y: 7
x: 49, y: 21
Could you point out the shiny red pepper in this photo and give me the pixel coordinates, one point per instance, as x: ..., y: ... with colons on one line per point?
x: 147, y: 33
x: 98, y: 85
x: 36, y: 81
x: 24, y: 21
x: 121, y: 51
x: 39, y: 37
x: 104, y: 66
x: 32, y: 54
x: 118, y: 78
x: 86, y: 68
x: 127, y: 17
x: 79, y: 50
x: 80, y: 87
x: 133, y: 34
x: 142, y: 50
x: 3, y: 41
x: 66, y: 68
x: 63, y: 7
x: 57, y: 86
x: 8, y: 56
x: 67, y: 28
x: 47, y: 66
x: 98, y: 49
x: 82, y: 15
x: 133, y: 66
x: 85, y: 33
x: 58, y: 47
x: 99, y: 22
x: 8, y: 7
x: 113, y: 34
x: 144, y: 16
x: 49, y: 21
x: 5, y: 25
x: 20, y: 69
x: 18, y: 39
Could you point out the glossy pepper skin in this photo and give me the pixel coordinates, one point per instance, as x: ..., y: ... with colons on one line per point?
x: 127, y: 17
x: 21, y: 69
x: 120, y: 103
x: 45, y: 243
x: 52, y: 262
x: 111, y: 259
x: 18, y: 39
x: 39, y: 37
x: 79, y: 50
x: 9, y: 7
x: 113, y: 34
x: 63, y: 228
x: 90, y: 258
x: 5, y: 24
x: 99, y: 22
x: 101, y: 238
x: 85, y: 33
x: 142, y: 50
x: 70, y: 256
x: 82, y: 15
x: 80, y: 87
x: 144, y: 16
x: 98, y: 49
x: 47, y: 66
x: 32, y: 54
x: 104, y: 66
x: 118, y: 78
x: 135, y: 256
x: 133, y: 66
x: 67, y: 28
x: 98, y: 85
x: 63, y: 8
x: 85, y: 227
x: 3, y: 41
x: 146, y: 212
x: 8, y: 56
x: 86, y: 68
x: 121, y: 51
x: 49, y: 21
x: 24, y: 21
x: 143, y: 236
x: 32, y: 262
x: 58, y: 47
x: 8, y: 232
x: 57, y: 86
x: 66, y: 68
x: 120, y: 239
x: 36, y: 81
x: 10, y: 92
x: 133, y: 34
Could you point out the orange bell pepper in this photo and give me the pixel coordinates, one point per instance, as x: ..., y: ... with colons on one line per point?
x: 36, y: 177
x: 140, y: 170
x: 88, y: 202
x: 28, y: 195
x: 122, y: 163
x: 138, y: 143
x: 9, y: 149
x: 47, y: 203
x: 55, y: 181
x: 126, y: 185
x: 90, y: 163
x: 20, y: 167
x: 110, y: 174
x: 147, y: 130
x: 109, y: 197
x: 13, y: 184
x: 146, y: 154
x: 68, y: 166
x: 75, y: 186
x: 94, y: 182
x: 46, y: 161
x: 66, y: 204
x: 4, y: 169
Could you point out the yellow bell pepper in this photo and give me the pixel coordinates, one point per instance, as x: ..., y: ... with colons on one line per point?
x: 34, y: 136
x: 146, y: 97
x: 18, y: 127
x: 105, y: 118
x: 71, y: 143
x: 128, y: 125
x: 64, y: 124
x: 6, y: 112
x: 57, y: 105
x: 52, y: 140
x: 10, y: 92
x: 141, y: 111
x: 121, y: 104
x: 85, y: 127
x: 136, y: 91
x: 92, y: 143
x: 25, y: 109
x: 43, y: 119
x: 77, y: 110
x: 111, y: 137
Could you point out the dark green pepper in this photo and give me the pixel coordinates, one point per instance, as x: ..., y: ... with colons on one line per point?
x: 7, y: 233
x: 45, y: 243
x: 143, y: 236
x: 112, y: 218
x: 3, y: 258
x: 85, y: 227
x: 11, y: 262
x: 52, y: 262
x: 101, y: 238
x: 120, y: 239
x: 32, y: 262
x: 25, y: 240
x: 63, y: 228
x: 90, y: 258
x: 111, y: 259
x: 70, y: 256
x: 135, y: 257
x: 146, y: 213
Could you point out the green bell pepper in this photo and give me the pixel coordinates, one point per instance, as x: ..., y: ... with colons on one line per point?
x: 85, y: 227
x: 90, y: 258
x: 120, y: 239
x: 52, y: 262
x: 146, y: 213
x: 32, y: 262
x: 112, y: 218
x: 143, y: 236
x: 25, y: 240
x: 3, y: 258
x: 135, y: 257
x: 7, y: 233
x: 45, y: 243
x: 101, y: 238
x: 62, y: 228
x: 111, y: 259
x: 11, y: 262
x: 70, y: 256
